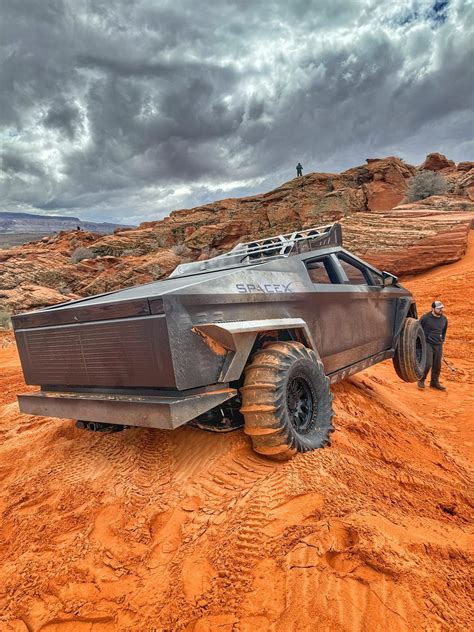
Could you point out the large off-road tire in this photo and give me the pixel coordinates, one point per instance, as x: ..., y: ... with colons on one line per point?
x: 410, y: 354
x: 286, y: 400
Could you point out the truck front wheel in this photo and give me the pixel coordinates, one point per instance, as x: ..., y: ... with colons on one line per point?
x: 286, y: 401
x: 410, y: 355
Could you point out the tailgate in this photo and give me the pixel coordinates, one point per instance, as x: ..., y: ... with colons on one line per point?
x: 125, y: 352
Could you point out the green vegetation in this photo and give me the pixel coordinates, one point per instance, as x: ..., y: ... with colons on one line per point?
x: 82, y: 253
x: 424, y: 184
x: 5, y: 320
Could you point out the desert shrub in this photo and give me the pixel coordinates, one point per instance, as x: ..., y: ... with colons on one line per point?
x: 5, y: 321
x: 64, y: 289
x: 128, y: 250
x: 209, y: 253
x: 108, y: 250
x: 49, y: 278
x: 158, y: 242
x: 82, y: 253
x: 131, y: 252
x: 424, y: 184
x: 154, y: 269
x: 179, y: 249
x: 362, y: 175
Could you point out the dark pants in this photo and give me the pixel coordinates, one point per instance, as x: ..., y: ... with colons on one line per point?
x: 434, y: 354
x: 299, y: 172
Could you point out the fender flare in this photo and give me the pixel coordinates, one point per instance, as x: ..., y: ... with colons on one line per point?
x: 237, y: 337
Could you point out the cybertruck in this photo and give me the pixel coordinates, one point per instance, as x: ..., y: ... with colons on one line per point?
x: 252, y: 338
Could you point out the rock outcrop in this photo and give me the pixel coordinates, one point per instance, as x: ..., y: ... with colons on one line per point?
x: 436, y: 162
x: 402, y: 238
x: 407, y: 241
x: 449, y: 203
x: 31, y: 296
x: 465, y: 185
x: 465, y: 166
x: 384, y: 181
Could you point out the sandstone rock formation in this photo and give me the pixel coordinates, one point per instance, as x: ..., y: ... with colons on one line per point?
x: 31, y: 296
x: 450, y: 203
x: 403, y: 239
x: 465, y: 185
x: 436, y: 162
x: 465, y: 166
x: 385, y: 181
x: 409, y: 241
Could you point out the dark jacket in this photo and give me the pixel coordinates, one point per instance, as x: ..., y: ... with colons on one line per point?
x: 434, y: 327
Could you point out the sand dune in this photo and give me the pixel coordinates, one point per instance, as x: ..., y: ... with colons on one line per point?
x: 187, y: 530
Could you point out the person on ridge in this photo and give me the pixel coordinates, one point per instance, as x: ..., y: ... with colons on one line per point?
x: 299, y: 170
x: 435, y: 325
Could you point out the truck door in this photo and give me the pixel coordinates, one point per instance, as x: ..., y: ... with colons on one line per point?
x: 370, y: 306
x: 349, y: 315
x: 326, y: 312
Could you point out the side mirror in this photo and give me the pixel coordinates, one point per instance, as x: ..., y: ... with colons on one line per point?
x: 389, y: 279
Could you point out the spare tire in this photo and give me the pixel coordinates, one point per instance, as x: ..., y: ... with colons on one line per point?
x: 286, y: 400
x: 410, y: 354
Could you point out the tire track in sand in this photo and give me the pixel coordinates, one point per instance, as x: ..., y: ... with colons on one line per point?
x: 244, y: 495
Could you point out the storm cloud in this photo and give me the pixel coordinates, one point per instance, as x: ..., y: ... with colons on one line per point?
x: 127, y: 110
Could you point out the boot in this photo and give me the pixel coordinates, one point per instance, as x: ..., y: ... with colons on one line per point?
x: 421, y: 384
x: 438, y: 386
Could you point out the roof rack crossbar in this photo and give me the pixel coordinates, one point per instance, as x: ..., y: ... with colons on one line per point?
x: 281, y: 244
x: 268, y: 247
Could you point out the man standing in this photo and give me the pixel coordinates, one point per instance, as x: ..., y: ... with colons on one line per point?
x: 434, y: 325
x: 299, y: 169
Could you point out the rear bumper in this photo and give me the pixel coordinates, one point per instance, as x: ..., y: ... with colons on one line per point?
x: 130, y: 410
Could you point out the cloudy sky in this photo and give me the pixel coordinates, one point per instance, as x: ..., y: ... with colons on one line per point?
x: 122, y: 110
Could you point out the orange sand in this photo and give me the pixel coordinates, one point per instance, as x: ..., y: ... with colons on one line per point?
x: 186, y: 530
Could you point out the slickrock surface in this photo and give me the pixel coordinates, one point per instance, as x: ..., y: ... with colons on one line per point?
x: 409, y: 244
x: 405, y: 240
x: 191, y: 531
x: 439, y: 203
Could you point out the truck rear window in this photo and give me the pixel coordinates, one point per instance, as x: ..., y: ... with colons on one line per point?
x: 320, y: 270
x: 354, y: 274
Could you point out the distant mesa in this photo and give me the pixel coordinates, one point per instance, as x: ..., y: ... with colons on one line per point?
x: 15, y: 223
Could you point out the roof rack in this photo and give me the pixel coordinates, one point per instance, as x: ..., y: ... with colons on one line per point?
x: 252, y: 252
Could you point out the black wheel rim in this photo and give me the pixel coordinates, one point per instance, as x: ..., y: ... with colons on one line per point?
x: 419, y: 351
x: 301, y: 404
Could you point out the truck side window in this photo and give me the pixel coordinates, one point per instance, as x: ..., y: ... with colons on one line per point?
x: 320, y: 271
x: 376, y: 279
x: 356, y: 275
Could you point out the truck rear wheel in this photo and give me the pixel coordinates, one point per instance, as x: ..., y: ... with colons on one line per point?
x: 286, y: 401
x: 410, y: 355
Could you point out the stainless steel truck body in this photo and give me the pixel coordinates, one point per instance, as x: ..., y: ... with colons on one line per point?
x: 161, y: 354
